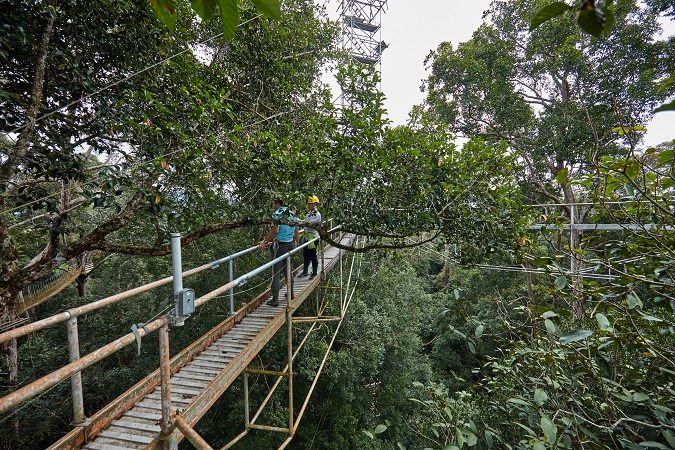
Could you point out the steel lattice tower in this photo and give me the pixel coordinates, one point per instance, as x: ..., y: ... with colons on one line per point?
x: 361, y: 26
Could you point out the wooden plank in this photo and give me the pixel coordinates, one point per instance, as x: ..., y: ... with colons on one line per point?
x: 103, y: 443
x: 125, y: 423
x: 193, y: 376
x: 217, y: 358
x: 126, y: 437
x: 138, y: 413
x: 188, y: 382
x: 115, y: 428
x: 202, y: 362
x: 202, y: 370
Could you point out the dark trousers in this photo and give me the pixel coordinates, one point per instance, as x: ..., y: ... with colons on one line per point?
x: 309, y: 255
x: 279, y: 269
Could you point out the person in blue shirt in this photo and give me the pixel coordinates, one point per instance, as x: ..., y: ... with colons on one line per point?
x: 283, y: 238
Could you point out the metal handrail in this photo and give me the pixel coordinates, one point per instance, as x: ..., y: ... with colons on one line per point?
x: 78, y: 363
x: 89, y: 307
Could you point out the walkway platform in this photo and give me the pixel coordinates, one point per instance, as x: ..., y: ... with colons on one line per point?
x: 200, y: 373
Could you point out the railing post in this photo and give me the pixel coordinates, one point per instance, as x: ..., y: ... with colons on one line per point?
x: 165, y: 374
x: 76, y: 379
x: 247, y: 414
x: 342, y: 300
x: 231, y: 266
x: 176, y: 263
x: 289, y: 321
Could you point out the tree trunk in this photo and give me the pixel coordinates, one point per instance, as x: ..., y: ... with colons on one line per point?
x: 528, y: 277
x: 82, y: 285
x: 8, y: 350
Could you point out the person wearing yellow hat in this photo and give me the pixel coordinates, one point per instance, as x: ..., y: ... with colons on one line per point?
x: 309, y: 252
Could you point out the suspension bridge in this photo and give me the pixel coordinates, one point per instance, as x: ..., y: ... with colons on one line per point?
x: 163, y: 408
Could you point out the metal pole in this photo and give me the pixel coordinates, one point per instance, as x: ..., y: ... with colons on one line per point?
x: 572, y: 239
x: 247, y: 413
x: 76, y: 378
x: 342, y: 308
x: 289, y: 321
x: 231, y: 266
x: 176, y: 263
x: 191, y: 435
x: 289, y: 280
x: 165, y: 373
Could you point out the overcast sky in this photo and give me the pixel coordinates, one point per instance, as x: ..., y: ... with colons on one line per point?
x: 414, y: 28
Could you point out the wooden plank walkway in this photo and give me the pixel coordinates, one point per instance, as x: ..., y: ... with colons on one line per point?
x: 199, y: 382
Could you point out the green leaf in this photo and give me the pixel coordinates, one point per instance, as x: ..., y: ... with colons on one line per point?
x: 550, y: 326
x: 603, y: 322
x: 271, y: 8
x: 381, y: 428
x: 650, y: 318
x: 561, y: 282
x: 489, y: 440
x: 640, y: 397
x: 230, y: 15
x: 549, y: 428
x: 669, y: 437
x: 368, y: 433
x: 540, y: 396
x: 400, y: 446
x: 591, y: 20
x: 538, y: 446
x: 460, y: 437
x: 575, y: 336
x: 479, y: 331
x: 204, y: 8
x: 548, y: 12
x: 518, y: 401
x: 561, y: 176
x: 471, y: 439
x: 632, y: 300
x: 666, y: 107
x: 666, y: 158
x: 629, y: 190
x: 652, y: 444
x: 610, y: 20
x: 165, y: 10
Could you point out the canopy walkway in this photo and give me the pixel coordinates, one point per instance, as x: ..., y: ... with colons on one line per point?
x: 43, y: 290
x: 163, y: 408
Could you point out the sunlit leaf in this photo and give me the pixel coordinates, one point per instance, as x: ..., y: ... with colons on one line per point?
x: 561, y: 282
x: 561, y: 177
x: 381, y: 428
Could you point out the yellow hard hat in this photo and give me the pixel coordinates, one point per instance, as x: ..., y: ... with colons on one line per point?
x: 313, y: 199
